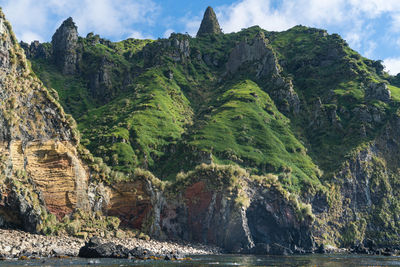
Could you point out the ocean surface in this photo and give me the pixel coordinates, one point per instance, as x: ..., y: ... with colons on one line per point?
x: 224, y: 260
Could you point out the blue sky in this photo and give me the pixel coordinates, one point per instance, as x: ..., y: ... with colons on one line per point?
x: 372, y: 27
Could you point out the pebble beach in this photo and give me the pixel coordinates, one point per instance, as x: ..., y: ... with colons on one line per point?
x: 23, y: 245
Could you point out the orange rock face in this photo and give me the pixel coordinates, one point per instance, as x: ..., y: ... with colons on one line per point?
x: 130, y: 202
x: 55, y: 170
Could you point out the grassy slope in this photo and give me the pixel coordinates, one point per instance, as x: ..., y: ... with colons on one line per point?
x: 324, y: 67
x: 157, y: 122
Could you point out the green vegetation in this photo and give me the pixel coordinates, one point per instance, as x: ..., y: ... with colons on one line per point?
x: 159, y: 108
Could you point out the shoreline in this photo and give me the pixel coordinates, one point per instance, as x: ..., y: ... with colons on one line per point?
x: 16, y: 244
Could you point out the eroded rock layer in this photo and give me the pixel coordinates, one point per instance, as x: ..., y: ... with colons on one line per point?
x: 41, y: 170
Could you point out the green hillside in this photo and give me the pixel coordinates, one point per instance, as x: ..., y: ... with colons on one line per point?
x: 168, y: 105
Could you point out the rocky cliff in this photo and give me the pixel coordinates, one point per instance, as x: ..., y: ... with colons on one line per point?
x: 209, y: 24
x: 262, y: 142
x: 64, y: 44
x: 41, y: 171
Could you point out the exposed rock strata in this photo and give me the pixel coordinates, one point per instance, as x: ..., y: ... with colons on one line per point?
x: 41, y: 169
x: 198, y: 212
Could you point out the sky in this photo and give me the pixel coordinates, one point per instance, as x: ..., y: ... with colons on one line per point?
x: 371, y: 27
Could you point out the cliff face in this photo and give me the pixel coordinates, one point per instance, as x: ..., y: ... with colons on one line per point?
x: 209, y: 24
x: 65, y: 43
x: 312, y: 122
x: 41, y: 172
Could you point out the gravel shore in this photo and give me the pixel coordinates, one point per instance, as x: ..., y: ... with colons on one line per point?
x: 18, y: 244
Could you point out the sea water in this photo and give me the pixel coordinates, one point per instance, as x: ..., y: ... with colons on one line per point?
x: 224, y: 260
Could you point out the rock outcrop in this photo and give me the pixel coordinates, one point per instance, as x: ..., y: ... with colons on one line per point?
x: 209, y: 24
x: 95, y: 248
x: 65, y: 42
x: 258, y: 58
x: 378, y: 91
x: 36, y: 50
x: 41, y: 170
x: 256, y: 51
x: 240, y: 218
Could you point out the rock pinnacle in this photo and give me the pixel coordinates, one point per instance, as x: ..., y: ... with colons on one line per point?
x: 64, y: 43
x: 209, y: 24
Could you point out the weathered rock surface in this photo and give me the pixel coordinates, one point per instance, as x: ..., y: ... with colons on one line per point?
x: 379, y: 91
x: 41, y: 170
x: 65, y: 42
x: 131, y: 202
x: 209, y: 24
x: 36, y: 50
x: 258, y: 54
x: 95, y: 248
x: 201, y: 213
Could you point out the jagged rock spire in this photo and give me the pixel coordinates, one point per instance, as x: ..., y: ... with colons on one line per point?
x: 209, y: 24
x: 64, y: 42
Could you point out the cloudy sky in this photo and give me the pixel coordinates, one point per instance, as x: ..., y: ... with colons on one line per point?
x: 372, y: 27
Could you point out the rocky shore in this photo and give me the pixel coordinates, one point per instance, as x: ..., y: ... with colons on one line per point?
x: 22, y: 245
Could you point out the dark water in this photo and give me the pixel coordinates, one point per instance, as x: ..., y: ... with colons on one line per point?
x: 225, y: 260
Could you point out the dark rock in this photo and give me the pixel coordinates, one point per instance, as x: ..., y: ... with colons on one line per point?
x: 260, y: 249
x: 277, y: 249
x: 94, y: 249
x: 140, y: 253
x: 321, y: 249
x: 209, y: 24
x: 378, y: 91
x: 360, y: 249
x: 36, y: 50
x: 65, y: 43
x: 370, y: 244
x: 388, y: 252
x: 101, y: 86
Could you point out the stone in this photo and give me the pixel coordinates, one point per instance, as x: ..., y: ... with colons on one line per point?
x: 209, y: 24
x: 93, y: 249
x: 378, y: 91
x: 65, y: 43
x: 277, y: 249
x: 36, y: 50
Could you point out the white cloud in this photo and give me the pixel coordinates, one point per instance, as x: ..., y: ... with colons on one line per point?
x: 351, y: 17
x: 247, y: 13
x: 353, y: 39
x: 111, y: 18
x: 392, y: 65
x: 370, y: 49
x: 167, y: 33
x: 140, y: 35
x: 192, y: 23
x: 30, y: 36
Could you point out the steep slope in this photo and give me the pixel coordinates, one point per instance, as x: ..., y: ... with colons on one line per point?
x: 41, y: 172
x: 311, y: 123
x: 209, y: 24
